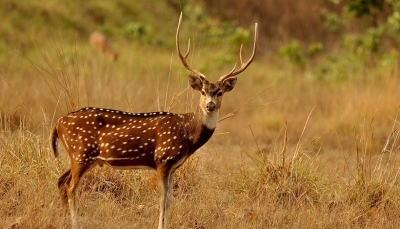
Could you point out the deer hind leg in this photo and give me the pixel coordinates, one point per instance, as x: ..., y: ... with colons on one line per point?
x: 68, y: 184
x: 63, y: 183
x: 165, y: 178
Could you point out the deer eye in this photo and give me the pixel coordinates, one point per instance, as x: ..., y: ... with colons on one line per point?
x: 219, y: 94
x: 203, y: 93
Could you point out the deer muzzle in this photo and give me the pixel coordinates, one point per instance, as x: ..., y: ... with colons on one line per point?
x: 211, y: 106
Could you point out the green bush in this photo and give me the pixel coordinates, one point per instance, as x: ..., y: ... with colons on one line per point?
x: 139, y: 31
x: 294, y: 52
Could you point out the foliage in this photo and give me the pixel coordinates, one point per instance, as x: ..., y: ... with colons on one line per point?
x: 333, y: 69
x: 332, y: 21
x: 379, y: 20
x: 296, y: 54
x: 314, y: 49
x: 359, y: 8
x: 139, y: 31
x: 393, y: 21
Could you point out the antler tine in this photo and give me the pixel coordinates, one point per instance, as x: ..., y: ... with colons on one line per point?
x: 240, y: 55
x: 188, y: 51
x: 230, y: 71
x: 243, y: 66
x: 184, y: 58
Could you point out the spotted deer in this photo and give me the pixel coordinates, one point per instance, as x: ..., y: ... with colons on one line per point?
x: 161, y: 141
x: 100, y: 42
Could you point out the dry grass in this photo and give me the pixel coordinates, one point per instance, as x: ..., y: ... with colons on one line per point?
x: 309, y: 155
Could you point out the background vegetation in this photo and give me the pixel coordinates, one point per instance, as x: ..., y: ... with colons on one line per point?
x: 313, y: 142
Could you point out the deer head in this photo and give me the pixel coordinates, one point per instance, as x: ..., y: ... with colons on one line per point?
x: 211, y: 93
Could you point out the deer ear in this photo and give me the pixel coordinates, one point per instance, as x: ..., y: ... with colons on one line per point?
x: 228, y: 84
x: 195, y: 82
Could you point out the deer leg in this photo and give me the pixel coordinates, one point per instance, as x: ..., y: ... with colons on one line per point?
x: 165, y: 178
x: 76, y: 174
x: 63, y: 183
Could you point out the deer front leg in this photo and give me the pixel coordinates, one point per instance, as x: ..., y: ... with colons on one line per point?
x: 165, y: 178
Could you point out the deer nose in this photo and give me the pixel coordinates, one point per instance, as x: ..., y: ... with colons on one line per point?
x: 211, y: 106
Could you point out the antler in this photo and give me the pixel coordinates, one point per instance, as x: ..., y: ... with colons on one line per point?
x: 183, y: 58
x: 243, y: 65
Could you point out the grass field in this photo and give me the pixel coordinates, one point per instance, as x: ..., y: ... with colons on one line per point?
x: 299, y: 151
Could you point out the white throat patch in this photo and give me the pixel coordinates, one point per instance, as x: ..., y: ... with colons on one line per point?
x: 210, y: 120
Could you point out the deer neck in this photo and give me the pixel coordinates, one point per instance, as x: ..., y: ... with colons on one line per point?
x: 201, y: 127
x: 209, y: 120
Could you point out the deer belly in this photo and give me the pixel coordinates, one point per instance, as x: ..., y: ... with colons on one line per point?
x: 127, y: 156
x: 133, y: 162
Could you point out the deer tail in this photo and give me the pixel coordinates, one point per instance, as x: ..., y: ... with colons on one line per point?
x: 53, y: 139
